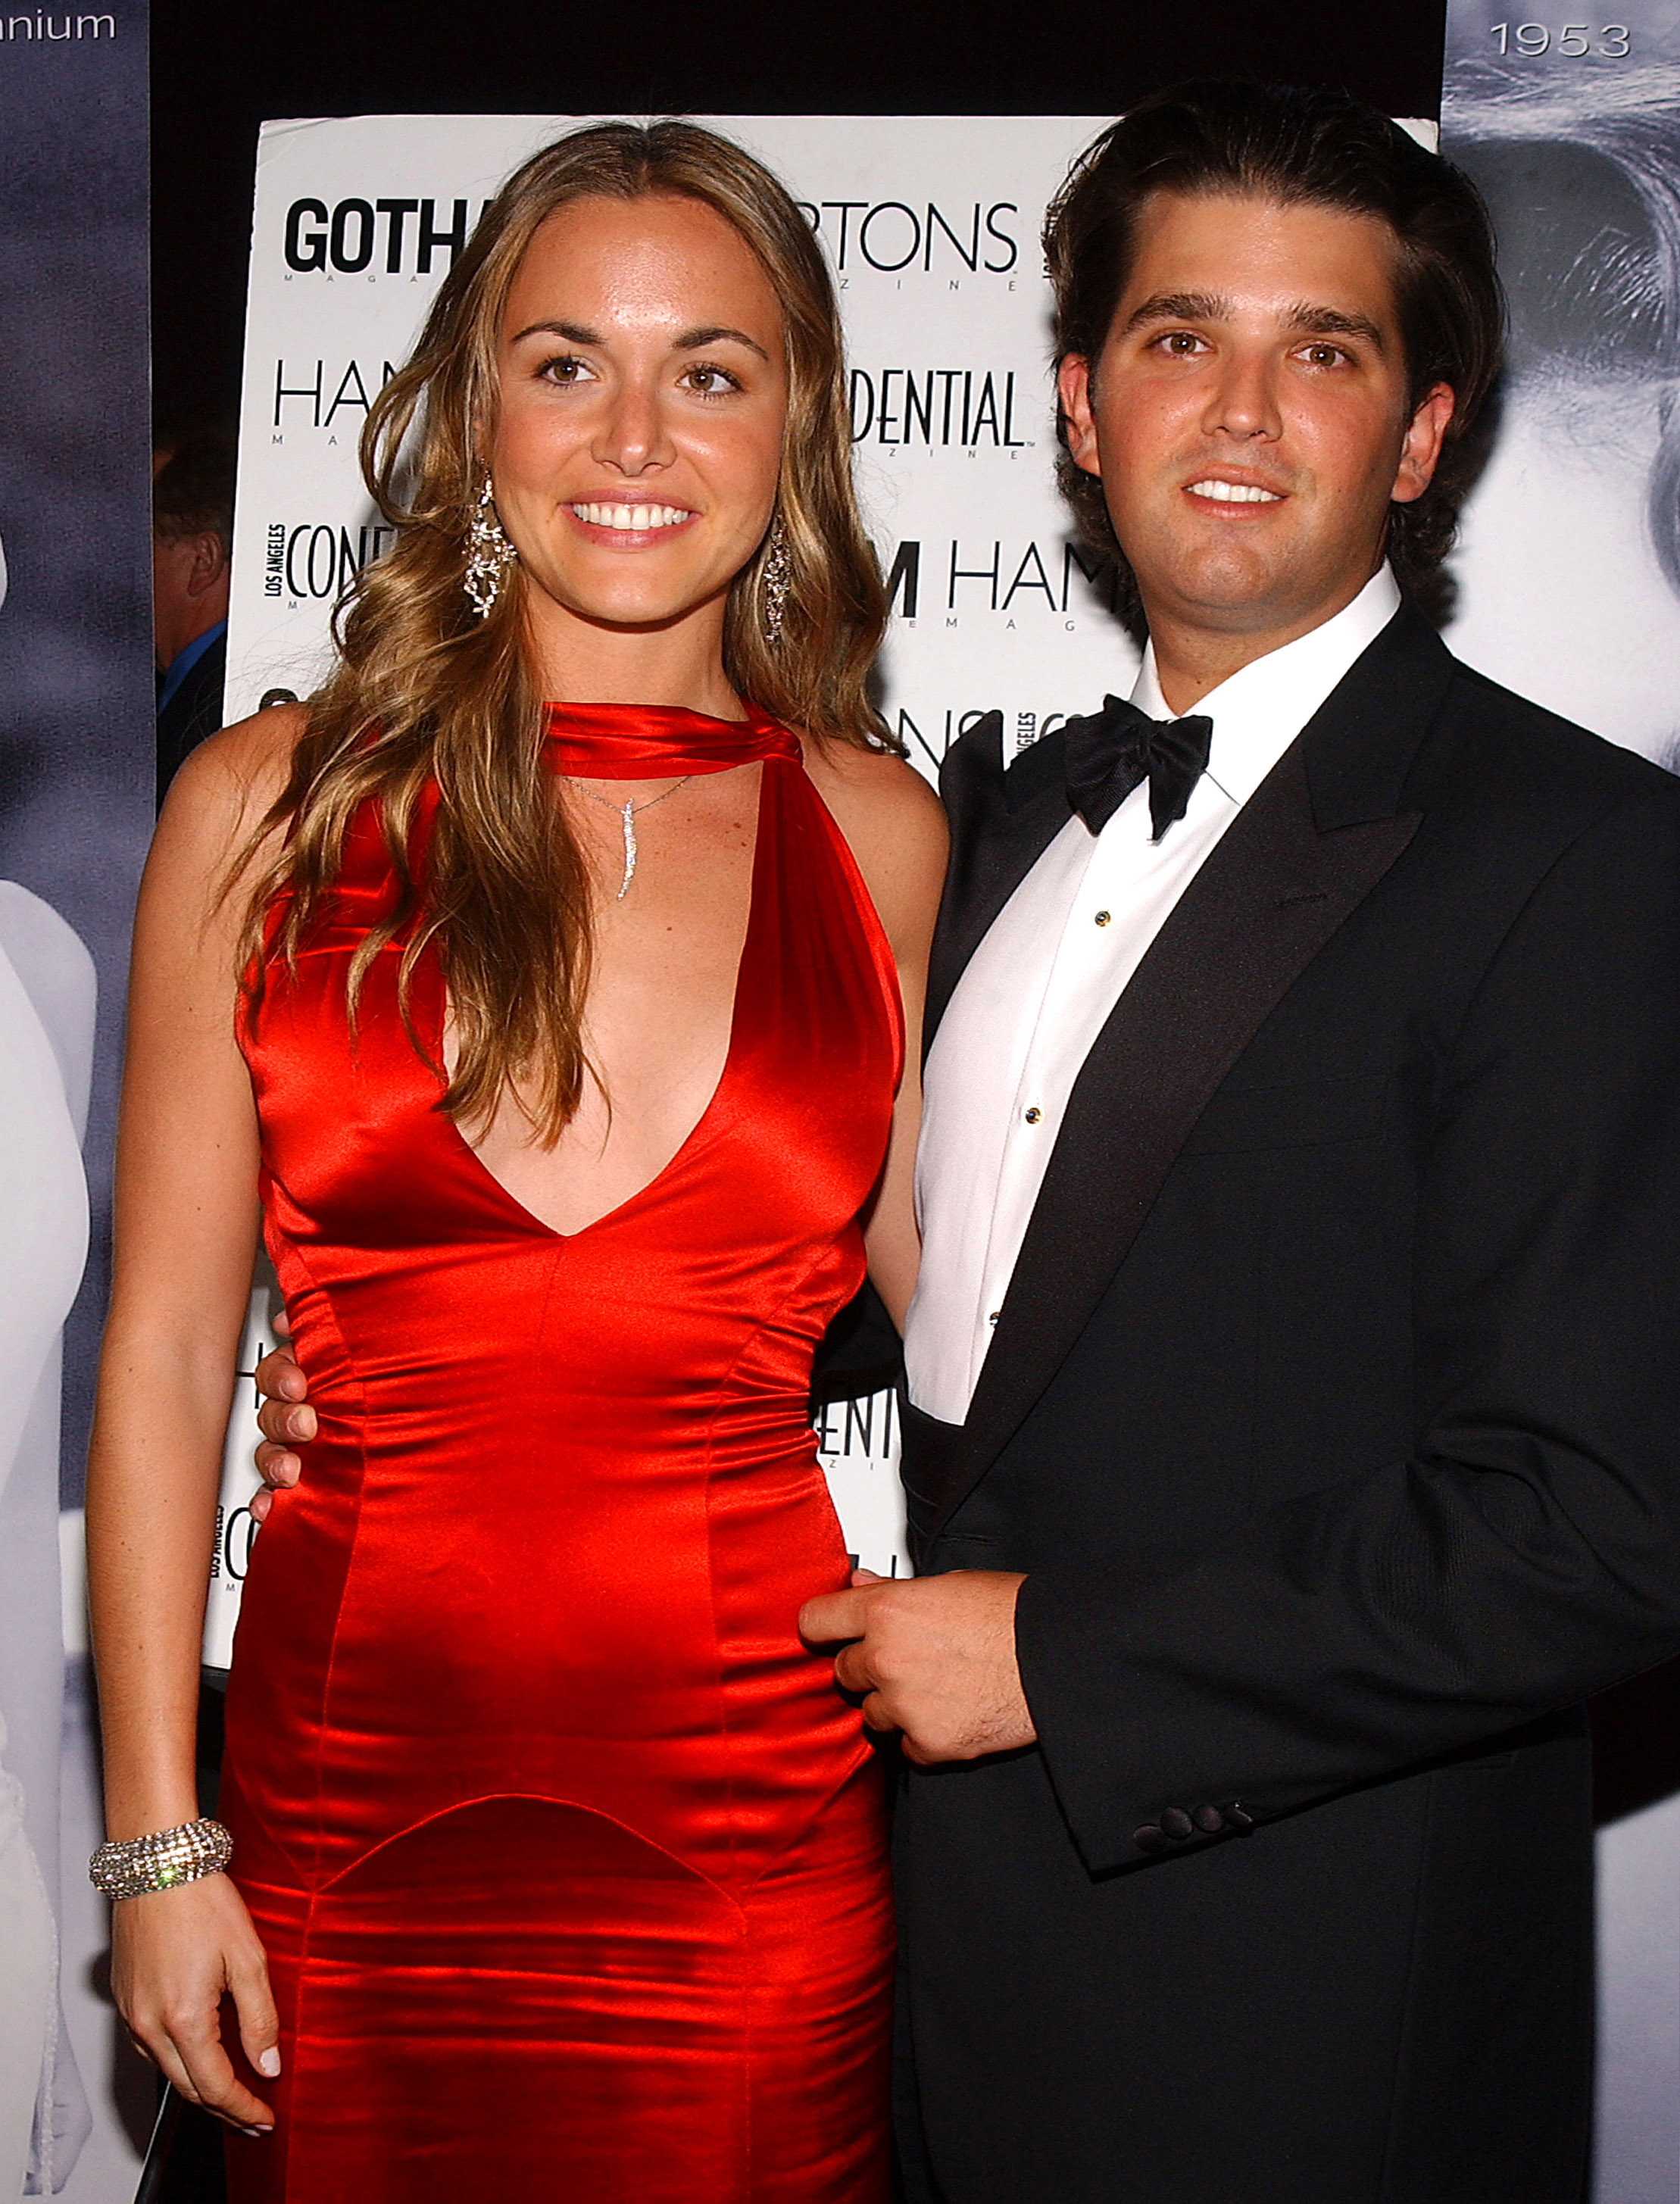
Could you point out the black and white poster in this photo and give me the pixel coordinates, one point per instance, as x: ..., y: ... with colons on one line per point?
x: 1569, y: 591
x: 76, y: 751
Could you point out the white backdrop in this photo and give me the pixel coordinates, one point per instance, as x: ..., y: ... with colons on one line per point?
x: 932, y: 226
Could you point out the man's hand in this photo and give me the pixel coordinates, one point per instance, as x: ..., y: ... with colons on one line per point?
x: 284, y: 1419
x: 932, y: 1656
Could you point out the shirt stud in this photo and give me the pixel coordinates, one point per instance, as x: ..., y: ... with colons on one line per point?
x: 1033, y: 1115
x: 1103, y: 918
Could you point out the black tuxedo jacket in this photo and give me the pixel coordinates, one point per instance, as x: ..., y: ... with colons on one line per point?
x: 1333, y: 1413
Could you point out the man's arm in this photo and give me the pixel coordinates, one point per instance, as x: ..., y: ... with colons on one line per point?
x: 1528, y: 1553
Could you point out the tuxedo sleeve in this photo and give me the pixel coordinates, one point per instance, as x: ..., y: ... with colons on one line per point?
x: 859, y: 1353
x: 1527, y: 1553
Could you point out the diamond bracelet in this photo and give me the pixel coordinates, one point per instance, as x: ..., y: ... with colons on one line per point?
x: 140, y: 1864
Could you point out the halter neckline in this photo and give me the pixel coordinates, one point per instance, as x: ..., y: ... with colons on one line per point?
x: 650, y: 742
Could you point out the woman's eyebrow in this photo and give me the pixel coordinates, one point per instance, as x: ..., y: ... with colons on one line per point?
x: 694, y: 340
x: 574, y: 332
x: 690, y: 340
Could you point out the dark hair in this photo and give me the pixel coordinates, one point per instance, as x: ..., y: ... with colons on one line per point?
x: 1279, y: 142
x: 193, y: 493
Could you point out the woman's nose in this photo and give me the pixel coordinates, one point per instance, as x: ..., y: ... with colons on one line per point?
x: 633, y: 435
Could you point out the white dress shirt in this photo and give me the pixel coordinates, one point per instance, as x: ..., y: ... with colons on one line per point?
x: 1042, y: 984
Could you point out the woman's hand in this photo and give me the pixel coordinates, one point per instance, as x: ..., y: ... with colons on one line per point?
x: 175, y: 1955
x: 285, y: 1419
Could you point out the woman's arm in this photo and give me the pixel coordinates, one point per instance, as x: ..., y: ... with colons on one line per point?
x: 895, y: 828
x: 185, y: 1225
x: 891, y: 1241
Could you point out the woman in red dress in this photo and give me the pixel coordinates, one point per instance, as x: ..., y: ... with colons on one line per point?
x: 552, y: 978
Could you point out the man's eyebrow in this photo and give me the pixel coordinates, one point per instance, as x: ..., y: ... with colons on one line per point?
x: 1177, y: 306
x: 1204, y: 306
x: 1332, y: 321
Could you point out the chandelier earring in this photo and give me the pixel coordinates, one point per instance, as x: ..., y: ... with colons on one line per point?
x: 776, y: 576
x: 489, y: 553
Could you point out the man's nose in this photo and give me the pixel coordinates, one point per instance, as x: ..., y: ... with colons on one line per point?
x: 1243, y: 402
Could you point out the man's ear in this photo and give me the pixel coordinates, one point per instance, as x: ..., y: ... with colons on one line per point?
x: 210, y: 564
x: 1073, y: 391
x: 1421, y: 450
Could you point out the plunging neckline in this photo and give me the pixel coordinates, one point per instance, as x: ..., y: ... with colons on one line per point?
x: 650, y: 769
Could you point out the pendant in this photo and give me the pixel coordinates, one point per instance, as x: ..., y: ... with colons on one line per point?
x: 628, y: 816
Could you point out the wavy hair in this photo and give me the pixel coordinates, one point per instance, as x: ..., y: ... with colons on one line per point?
x: 1297, y: 147
x: 425, y: 693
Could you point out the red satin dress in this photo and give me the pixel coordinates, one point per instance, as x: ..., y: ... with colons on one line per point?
x: 567, y: 1858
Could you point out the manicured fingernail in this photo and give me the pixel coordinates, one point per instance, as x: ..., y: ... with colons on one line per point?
x: 256, y: 2131
x: 269, y: 2063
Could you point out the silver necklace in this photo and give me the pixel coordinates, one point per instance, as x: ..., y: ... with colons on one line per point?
x: 626, y: 813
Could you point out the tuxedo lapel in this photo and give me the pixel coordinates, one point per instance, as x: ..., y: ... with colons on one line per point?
x: 1001, y: 823
x: 1313, y: 842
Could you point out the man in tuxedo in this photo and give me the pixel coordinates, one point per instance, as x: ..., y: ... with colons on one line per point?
x: 1295, y: 1398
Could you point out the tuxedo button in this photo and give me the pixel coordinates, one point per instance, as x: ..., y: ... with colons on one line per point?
x: 1177, y: 1823
x: 1149, y: 1839
x: 1103, y: 918
x: 1033, y: 1117
x: 1234, y: 1818
x: 1208, y: 1820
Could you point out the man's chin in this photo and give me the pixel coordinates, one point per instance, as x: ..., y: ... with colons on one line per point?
x: 1277, y: 578
x: 1250, y: 608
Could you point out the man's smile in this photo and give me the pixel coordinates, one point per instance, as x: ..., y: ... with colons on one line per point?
x: 1223, y: 491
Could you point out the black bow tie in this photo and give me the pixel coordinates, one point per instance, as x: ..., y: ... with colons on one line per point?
x: 1119, y: 747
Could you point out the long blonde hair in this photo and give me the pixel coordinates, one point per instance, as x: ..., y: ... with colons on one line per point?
x: 424, y: 691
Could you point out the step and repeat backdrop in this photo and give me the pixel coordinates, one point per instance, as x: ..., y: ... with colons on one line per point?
x: 932, y: 226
